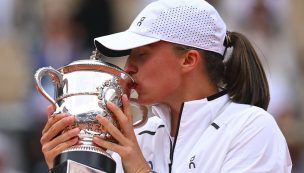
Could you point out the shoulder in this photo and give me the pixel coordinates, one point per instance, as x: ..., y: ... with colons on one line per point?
x: 254, y: 137
x: 248, y: 120
x: 248, y: 114
x: 251, y: 123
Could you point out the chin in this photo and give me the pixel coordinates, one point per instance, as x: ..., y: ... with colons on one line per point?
x: 143, y: 101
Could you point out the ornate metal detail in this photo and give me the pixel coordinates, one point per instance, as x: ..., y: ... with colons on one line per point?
x: 96, y: 55
x: 111, y: 91
x: 86, y: 148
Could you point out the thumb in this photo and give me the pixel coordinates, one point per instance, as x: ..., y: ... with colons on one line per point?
x: 50, y: 110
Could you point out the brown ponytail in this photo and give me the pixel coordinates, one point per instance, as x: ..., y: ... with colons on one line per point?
x: 244, y: 76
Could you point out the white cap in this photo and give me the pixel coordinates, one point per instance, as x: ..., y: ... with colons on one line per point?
x: 193, y: 23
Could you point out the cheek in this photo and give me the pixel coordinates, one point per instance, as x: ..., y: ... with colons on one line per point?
x: 159, y: 85
x: 162, y: 75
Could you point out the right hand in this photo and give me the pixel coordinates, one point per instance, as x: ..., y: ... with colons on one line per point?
x: 127, y: 146
x: 53, y: 141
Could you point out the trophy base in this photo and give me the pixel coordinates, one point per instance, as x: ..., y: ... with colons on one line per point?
x: 71, y: 166
x: 96, y: 158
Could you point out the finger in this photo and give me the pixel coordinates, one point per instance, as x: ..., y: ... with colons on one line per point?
x: 59, y: 148
x: 50, y: 154
x: 106, y: 144
x: 127, y: 108
x: 111, y: 129
x: 53, y: 148
x: 50, y: 111
x: 125, y: 124
x: 119, y: 115
x: 129, y: 132
x: 64, y: 137
x: 53, y: 120
x: 57, y: 128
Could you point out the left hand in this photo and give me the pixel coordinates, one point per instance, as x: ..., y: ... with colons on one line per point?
x: 127, y: 147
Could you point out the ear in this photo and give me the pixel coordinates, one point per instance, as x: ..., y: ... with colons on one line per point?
x: 191, y: 60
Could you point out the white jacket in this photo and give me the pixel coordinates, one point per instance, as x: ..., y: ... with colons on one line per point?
x: 214, y: 135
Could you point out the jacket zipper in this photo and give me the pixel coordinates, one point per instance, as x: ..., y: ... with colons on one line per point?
x: 172, y: 147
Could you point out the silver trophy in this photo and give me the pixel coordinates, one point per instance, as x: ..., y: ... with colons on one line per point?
x: 82, y: 89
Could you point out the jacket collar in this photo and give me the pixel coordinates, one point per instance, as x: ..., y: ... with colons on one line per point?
x: 195, y: 114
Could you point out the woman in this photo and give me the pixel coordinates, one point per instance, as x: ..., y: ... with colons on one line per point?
x: 210, y: 109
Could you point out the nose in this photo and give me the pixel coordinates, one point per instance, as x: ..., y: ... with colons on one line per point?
x: 130, y: 66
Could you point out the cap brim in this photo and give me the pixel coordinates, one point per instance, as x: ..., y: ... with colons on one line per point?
x: 120, y: 44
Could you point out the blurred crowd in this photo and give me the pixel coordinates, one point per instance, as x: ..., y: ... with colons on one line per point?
x: 38, y: 33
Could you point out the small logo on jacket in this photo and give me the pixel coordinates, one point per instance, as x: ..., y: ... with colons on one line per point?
x: 150, y: 164
x: 140, y: 21
x: 192, y: 164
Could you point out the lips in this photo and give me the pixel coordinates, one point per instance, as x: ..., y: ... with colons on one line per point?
x: 134, y: 86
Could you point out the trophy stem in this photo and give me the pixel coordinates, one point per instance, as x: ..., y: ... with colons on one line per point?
x: 91, y: 156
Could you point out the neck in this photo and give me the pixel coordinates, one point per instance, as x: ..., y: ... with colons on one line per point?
x: 174, y: 121
x: 189, y: 91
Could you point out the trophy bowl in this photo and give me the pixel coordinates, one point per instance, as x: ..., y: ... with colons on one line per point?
x: 82, y: 89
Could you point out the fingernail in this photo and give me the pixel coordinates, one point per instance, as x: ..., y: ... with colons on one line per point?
x: 70, y: 119
x: 125, y: 97
x: 100, y: 117
x: 110, y: 104
x: 76, y: 130
x: 96, y: 138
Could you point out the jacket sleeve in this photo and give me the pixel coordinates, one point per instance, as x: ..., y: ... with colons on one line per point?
x: 258, y: 147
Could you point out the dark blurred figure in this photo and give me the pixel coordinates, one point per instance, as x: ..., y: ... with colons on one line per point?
x: 93, y: 19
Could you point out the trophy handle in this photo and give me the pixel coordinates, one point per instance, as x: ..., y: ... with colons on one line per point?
x: 144, y: 109
x: 57, y: 80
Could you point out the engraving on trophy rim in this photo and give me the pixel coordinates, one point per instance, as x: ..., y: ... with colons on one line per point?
x: 87, y: 148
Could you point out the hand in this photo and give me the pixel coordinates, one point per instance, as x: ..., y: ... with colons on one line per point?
x: 53, y: 141
x: 127, y: 147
